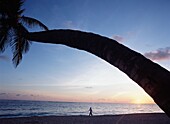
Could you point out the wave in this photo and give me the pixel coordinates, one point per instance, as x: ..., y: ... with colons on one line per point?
x: 7, y: 109
x: 10, y: 115
x: 24, y: 115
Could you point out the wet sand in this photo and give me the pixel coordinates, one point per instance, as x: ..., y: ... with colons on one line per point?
x: 152, y: 118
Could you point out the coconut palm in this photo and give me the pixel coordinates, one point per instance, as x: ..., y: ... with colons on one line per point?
x: 12, y: 30
x: 153, y: 78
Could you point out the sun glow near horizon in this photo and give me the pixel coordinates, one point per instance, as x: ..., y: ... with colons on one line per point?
x: 145, y: 99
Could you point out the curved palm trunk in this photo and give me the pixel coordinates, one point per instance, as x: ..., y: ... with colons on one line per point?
x: 154, y: 79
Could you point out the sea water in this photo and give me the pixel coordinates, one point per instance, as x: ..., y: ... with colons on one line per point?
x: 21, y: 108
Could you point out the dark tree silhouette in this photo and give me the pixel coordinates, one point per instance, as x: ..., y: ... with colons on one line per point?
x: 150, y: 76
x: 153, y: 78
x: 12, y: 30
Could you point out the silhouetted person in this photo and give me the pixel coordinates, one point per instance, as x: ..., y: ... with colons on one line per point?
x: 90, y: 112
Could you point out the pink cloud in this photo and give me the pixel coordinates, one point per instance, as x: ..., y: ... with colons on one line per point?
x: 159, y: 54
x: 118, y: 38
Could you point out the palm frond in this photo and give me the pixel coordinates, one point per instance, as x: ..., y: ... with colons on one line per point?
x: 3, y: 42
x: 19, y: 44
x: 4, y: 37
x: 25, y: 43
x: 17, y: 52
x: 12, y: 31
x: 33, y: 22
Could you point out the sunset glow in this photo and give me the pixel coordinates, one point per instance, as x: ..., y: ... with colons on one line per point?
x: 60, y: 73
x: 142, y: 101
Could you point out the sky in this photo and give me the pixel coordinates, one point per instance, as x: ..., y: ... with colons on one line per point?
x: 59, y: 73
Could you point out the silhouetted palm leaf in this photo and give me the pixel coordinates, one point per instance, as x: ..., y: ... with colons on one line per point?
x: 32, y: 22
x: 19, y: 44
x: 4, y: 38
x: 12, y: 30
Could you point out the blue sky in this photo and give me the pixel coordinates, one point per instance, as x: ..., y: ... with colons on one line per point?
x: 60, y: 73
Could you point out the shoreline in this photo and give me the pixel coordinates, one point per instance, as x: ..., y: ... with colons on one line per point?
x: 138, y: 118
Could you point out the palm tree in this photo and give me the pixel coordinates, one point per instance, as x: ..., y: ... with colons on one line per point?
x: 153, y: 78
x: 12, y: 30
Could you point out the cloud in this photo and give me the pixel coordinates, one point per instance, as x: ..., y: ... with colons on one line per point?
x: 70, y: 25
x: 118, y: 38
x: 159, y: 54
x: 74, y: 25
x: 18, y: 94
x: 88, y: 87
x: 4, y: 58
x: 2, y: 93
x: 102, y: 99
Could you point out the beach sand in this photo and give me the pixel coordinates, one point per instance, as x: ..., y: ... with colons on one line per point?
x: 153, y: 118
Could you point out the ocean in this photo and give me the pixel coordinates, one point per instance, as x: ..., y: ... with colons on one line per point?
x: 21, y: 108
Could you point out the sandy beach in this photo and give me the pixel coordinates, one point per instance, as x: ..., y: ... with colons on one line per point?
x: 153, y: 118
